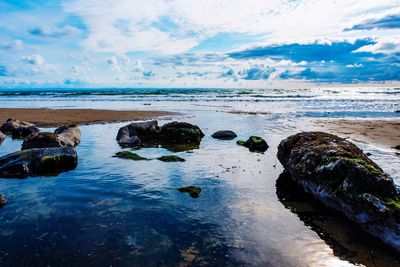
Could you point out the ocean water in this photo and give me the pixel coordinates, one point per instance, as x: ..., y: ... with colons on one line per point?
x: 115, y: 212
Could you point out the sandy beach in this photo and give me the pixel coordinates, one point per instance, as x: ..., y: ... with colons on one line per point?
x: 382, y: 132
x: 54, y: 117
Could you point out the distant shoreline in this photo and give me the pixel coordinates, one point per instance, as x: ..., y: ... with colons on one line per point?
x: 44, y: 117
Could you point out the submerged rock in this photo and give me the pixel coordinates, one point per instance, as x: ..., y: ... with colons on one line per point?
x: 18, y: 129
x: 175, y: 136
x: 193, y: 191
x: 65, y: 136
x: 38, y: 162
x: 397, y: 147
x: 128, y: 155
x: 3, y: 200
x: 254, y: 144
x: 2, y: 137
x: 224, y: 135
x: 171, y: 159
x: 340, y: 175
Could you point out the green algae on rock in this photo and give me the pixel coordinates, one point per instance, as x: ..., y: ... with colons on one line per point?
x: 38, y: 162
x: 254, y: 144
x: 128, y: 155
x: 341, y: 176
x: 193, y: 191
x: 171, y: 159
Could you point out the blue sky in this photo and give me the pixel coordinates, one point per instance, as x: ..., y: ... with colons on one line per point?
x: 199, y: 43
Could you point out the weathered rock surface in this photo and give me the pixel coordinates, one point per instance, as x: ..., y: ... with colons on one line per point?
x: 254, y: 144
x: 3, y: 200
x: 65, y: 136
x: 224, y: 135
x: 176, y: 136
x: 2, y: 137
x: 38, y: 162
x: 133, y: 134
x: 18, y: 129
x: 341, y: 176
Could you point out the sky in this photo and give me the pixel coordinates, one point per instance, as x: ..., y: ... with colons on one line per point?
x: 199, y: 43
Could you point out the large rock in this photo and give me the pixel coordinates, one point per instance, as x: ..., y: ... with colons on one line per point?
x: 133, y: 134
x: 175, y: 136
x: 224, y: 135
x: 38, y: 162
x: 65, y: 136
x: 181, y: 132
x: 340, y: 175
x: 2, y: 137
x: 19, y: 129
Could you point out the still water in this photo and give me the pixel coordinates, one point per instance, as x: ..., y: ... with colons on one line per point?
x: 110, y: 211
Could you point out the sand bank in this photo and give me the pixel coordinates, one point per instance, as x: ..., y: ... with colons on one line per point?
x: 382, y: 132
x: 54, y: 117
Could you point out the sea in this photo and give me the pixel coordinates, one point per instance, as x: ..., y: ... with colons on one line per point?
x: 116, y: 212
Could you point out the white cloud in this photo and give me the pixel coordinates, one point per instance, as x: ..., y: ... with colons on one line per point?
x: 132, y: 25
x: 387, y: 45
x: 47, y: 31
x: 37, y: 59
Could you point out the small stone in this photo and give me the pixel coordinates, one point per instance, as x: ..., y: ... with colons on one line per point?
x: 193, y: 191
x: 224, y: 135
x: 171, y: 159
x: 128, y: 155
x: 254, y: 144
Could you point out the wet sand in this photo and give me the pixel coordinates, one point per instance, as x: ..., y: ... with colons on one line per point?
x: 383, y: 132
x: 55, y: 117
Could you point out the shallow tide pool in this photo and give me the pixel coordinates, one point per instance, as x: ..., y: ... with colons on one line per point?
x: 111, y: 211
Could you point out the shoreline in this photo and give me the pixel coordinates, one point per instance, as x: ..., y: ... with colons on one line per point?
x: 385, y: 132
x: 44, y: 117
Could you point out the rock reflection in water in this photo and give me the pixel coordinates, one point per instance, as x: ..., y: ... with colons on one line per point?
x: 347, y: 240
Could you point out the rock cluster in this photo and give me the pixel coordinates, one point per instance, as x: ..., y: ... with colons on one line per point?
x: 18, y: 129
x: 174, y: 135
x: 42, y: 153
x: 341, y: 176
x: 65, y: 136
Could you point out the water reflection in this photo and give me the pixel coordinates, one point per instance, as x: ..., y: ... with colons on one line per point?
x: 346, y: 239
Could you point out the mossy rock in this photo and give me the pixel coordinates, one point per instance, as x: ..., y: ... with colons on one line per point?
x: 339, y: 174
x: 181, y: 132
x: 254, y: 144
x: 193, y: 191
x: 38, y: 162
x: 171, y: 159
x: 128, y: 155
